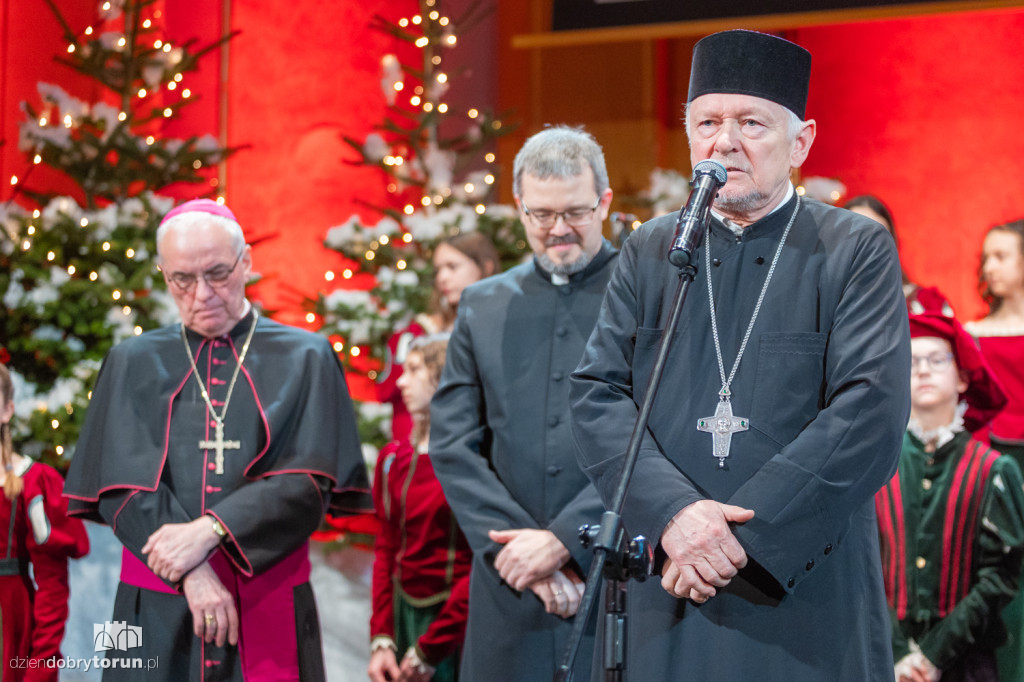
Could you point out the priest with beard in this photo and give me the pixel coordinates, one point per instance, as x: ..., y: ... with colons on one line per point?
x: 781, y: 409
x: 213, y: 448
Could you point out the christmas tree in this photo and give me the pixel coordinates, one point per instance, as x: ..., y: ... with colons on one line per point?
x: 78, y: 272
x: 438, y: 167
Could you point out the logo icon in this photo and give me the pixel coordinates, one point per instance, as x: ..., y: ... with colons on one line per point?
x: 116, y: 635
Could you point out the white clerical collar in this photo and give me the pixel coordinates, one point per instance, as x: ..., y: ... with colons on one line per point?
x: 559, y: 280
x: 738, y: 229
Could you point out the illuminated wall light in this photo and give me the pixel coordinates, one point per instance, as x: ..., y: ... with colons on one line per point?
x: 93, y: 276
x: 401, y: 265
x: 346, y: 273
x: 116, y: 295
x: 37, y: 158
x: 442, y: 107
x: 50, y: 255
x: 310, y: 317
x: 130, y: 253
x: 71, y: 269
x: 480, y: 209
x: 489, y: 157
x: 417, y: 20
x: 450, y: 40
x: 409, y: 209
x: 329, y: 276
x: 106, y: 246
x: 407, y: 238
x: 338, y: 346
x: 384, y: 239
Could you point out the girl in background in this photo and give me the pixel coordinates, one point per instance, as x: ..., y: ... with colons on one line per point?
x: 421, y: 559
x: 34, y: 530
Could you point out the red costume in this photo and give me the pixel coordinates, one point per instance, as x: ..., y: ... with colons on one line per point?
x: 1004, y: 351
x: 421, y: 555
x: 35, y: 529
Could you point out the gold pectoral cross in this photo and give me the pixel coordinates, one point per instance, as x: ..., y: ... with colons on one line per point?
x: 220, y: 445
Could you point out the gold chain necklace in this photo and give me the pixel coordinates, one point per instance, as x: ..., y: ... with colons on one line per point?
x: 219, y: 444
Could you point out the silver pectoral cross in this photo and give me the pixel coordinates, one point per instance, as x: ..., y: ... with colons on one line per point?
x: 721, y: 427
x: 220, y: 445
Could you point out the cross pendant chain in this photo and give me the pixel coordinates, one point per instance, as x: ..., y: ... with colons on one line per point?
x: 220, y: 445
x: 721, y: 426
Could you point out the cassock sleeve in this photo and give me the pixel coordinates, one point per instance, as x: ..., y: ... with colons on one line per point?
x: 997, y: 562
x: 385, y: 547
x: 604, y: 411
x: 448, y: 630
x: 459, y: 440
x: 53, y: 539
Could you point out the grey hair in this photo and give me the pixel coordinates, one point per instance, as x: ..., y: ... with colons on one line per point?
x: 793, y: 123
x: 192, y: 218
x: 560, y: 152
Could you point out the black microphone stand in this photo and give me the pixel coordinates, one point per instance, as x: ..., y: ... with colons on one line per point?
x: 616, y: 561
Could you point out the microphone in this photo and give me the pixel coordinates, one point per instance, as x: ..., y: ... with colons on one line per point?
x: 708, y: 178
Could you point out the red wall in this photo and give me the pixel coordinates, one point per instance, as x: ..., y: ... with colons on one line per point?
x: 925, y: 113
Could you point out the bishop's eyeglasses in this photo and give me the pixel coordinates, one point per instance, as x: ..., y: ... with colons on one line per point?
x: 574, y: 217
x: 936, y: 361
x: 215, y: 276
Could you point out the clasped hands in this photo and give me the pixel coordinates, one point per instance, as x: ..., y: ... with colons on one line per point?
x: 177, y: 552
x: 535, y: 559
x: 702, y: 552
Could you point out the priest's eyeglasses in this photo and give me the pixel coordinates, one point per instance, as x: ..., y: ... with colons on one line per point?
x: 936, y: 361
x: 186, y: 281
x: 574, y: 217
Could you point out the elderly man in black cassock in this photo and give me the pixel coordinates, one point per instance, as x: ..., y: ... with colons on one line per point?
x: 499, y: 435
x: 792, y: 357
x: 213, y: 448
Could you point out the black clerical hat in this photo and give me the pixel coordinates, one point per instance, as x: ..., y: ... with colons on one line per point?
x: 751, y: 63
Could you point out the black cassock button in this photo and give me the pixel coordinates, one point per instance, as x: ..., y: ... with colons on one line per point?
x: 810, y: 565
x: 759, y: 260
x: 790, y: 582
x: 828, y: 548
x: 716, y: 262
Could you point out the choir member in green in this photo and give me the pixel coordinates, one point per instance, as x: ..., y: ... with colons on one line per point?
x: 952, y: 518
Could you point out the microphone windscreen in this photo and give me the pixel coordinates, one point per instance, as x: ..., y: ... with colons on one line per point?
x: 711, y: 167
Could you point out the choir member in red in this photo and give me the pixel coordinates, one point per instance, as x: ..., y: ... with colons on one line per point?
x: 422, y: 560
x: 34, y: 531
x: 458, y: 262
